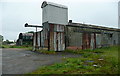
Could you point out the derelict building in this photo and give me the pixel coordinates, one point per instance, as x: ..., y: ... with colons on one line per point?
x: 58, y: 34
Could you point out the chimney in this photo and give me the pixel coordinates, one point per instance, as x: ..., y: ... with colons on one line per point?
x: 70, y: 21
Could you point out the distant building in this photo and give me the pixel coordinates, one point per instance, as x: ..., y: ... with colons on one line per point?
x: 1, y: 39
x: 25, y: 39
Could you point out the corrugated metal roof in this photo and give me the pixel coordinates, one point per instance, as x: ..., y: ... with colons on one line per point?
x: 45, y: 3
x: 93, y: 26
x: 27, y: 34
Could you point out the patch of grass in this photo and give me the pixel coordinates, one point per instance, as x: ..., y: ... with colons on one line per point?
x: 15, y: 46
x: 29, y: 48
x: 45, y: 51
x: 98, y: 61
x: 5, y: 46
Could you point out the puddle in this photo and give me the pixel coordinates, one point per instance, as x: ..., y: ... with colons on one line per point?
x: 89, y: 61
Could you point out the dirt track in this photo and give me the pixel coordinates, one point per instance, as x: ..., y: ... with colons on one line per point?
x: 19, y: 61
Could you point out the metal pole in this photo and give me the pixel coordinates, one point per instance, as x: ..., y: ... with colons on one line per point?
x: 36, y: 29
x: 36, y: 39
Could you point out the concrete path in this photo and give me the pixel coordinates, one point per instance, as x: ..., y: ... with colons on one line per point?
x: 19, y: 61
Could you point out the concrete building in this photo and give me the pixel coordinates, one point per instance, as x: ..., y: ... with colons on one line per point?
x: 58, y: 34
x: 76, y: 36
x: 84, y: 36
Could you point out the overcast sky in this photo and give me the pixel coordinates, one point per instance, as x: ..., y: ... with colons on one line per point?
x: 15, y: 13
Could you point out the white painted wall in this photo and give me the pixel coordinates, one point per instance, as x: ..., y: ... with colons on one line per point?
x: 54, y: 14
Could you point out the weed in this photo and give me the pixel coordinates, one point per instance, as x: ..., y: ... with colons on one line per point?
x: 106, y: 62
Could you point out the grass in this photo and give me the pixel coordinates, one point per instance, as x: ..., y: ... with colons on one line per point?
x: 45, y: 51
x: 14, y: 46
x: 98, y: 61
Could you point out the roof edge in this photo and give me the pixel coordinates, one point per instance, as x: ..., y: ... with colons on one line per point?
x: 95, y: 26
x: 45, y: 3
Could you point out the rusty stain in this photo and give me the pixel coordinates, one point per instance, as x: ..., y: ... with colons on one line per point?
x: 86, y: 41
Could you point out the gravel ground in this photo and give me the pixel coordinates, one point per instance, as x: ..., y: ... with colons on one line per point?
x: 19, y: 61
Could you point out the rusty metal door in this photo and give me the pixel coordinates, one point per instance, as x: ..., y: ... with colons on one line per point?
x: 59, y: 41
x: 86, y: 40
